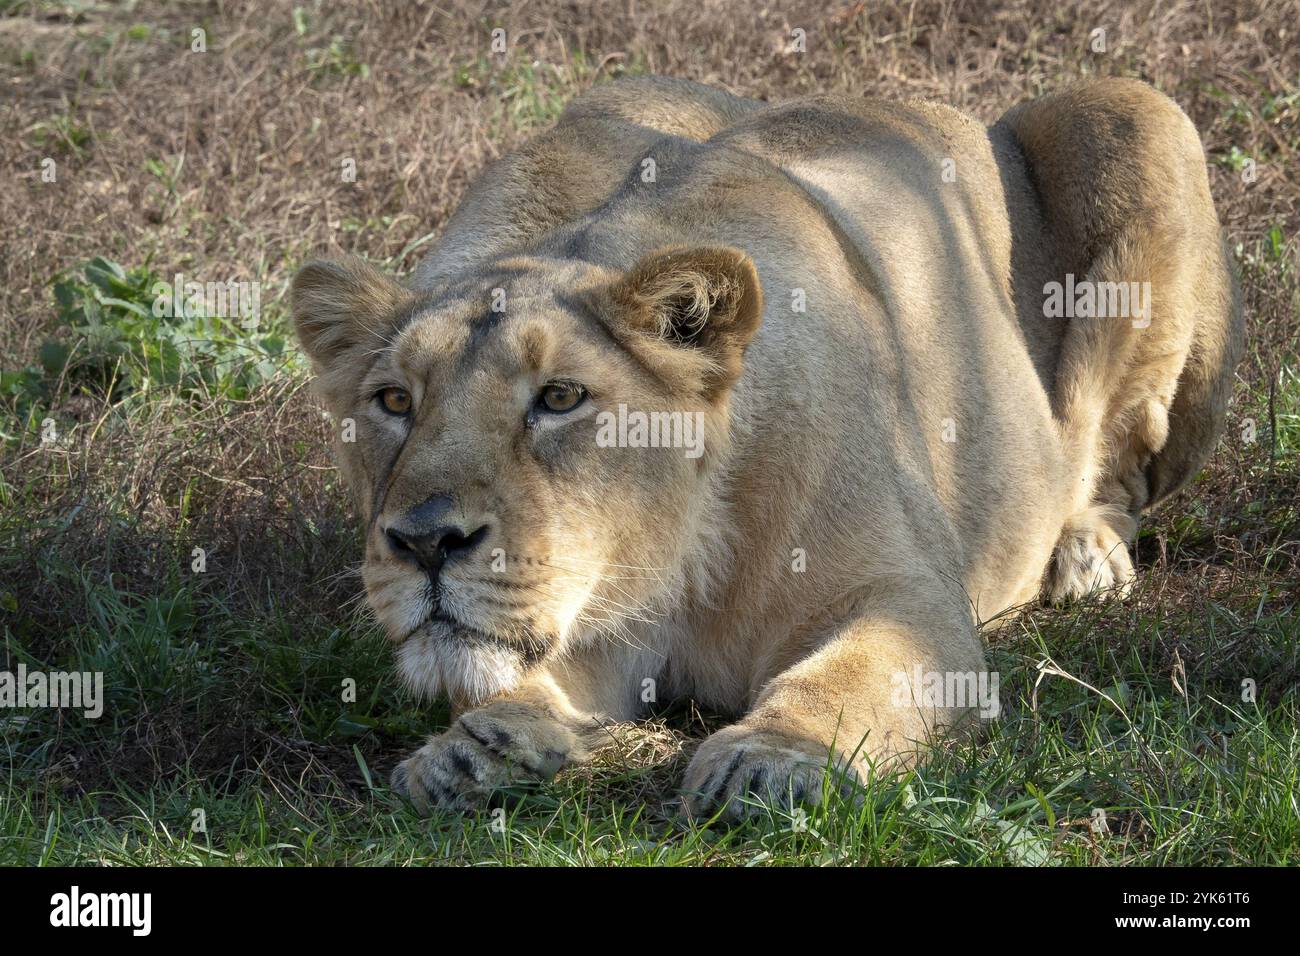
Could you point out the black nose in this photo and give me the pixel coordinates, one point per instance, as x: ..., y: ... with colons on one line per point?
x: 426, y: 537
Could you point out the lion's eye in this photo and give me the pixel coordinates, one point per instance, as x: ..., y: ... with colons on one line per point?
x: 561, y: 397
x: 396, y: 401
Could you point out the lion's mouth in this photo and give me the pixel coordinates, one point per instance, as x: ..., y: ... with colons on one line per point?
x: 441, y: 625
x: 439, y: 615
x: 438, y: 621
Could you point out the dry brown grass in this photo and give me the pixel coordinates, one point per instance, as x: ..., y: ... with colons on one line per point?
x: 259, y: 136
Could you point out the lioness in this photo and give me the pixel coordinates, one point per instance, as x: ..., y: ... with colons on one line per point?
x: 931, y: 368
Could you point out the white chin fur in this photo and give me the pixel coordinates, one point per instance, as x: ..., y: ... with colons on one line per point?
x: 435, y: 665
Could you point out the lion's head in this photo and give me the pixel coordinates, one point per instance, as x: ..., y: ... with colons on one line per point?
x: 499, y: 434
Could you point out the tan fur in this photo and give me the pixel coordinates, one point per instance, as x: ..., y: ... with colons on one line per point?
x: 897, y: 443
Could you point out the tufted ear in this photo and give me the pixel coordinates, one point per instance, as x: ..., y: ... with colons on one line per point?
x: 705, y: 303
x: 339, y: 304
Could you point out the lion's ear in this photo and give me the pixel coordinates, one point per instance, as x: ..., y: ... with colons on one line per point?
x: 339, y: 304
x: 706, y: 300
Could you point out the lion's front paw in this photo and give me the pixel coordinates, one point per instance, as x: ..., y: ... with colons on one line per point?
x: 484, y: 751
x: 739, y: 767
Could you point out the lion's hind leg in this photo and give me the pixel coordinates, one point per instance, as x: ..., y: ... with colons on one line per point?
x: 1139, y: 394
x: 1116, y: 382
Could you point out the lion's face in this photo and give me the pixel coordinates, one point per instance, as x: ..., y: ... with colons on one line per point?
x: 530, y: 448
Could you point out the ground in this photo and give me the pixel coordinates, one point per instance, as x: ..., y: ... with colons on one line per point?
x: 169, y: 515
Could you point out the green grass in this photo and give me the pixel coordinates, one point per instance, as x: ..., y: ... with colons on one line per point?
x: 1182, y: 768
x: 118, y: 334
